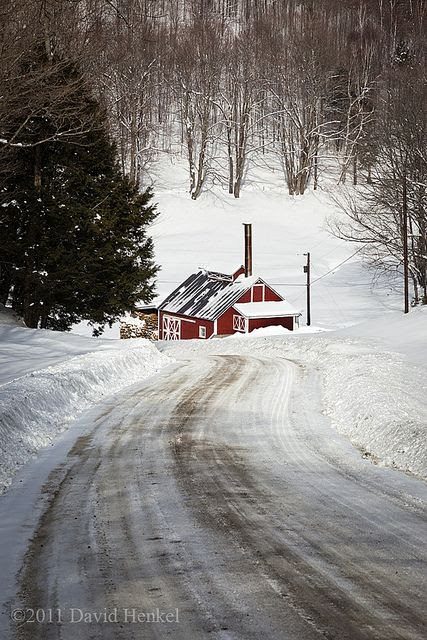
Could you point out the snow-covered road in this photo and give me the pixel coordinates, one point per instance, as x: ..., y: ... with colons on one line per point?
x: 218, y: 488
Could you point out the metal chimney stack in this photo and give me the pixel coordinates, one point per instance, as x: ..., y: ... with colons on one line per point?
x: 248, y: 249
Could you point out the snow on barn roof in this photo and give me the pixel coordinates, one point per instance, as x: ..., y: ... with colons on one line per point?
x: 266, y: 309
x: 207, y: 294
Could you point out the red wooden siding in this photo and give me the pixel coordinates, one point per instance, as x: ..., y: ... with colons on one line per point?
x: 256, y: 293
x: 246, y: 297
x: 271, y: 296
x: 257, y: 323
x: 225, y: 322
x: 189, y: 327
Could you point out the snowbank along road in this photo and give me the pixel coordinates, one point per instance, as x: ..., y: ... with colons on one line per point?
x: 217, y: 493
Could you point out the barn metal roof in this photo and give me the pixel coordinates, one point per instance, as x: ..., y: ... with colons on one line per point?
x: 207, y: 294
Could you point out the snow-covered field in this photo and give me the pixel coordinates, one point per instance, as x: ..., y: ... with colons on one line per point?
x: 406, y: 334
x: 208, y: 233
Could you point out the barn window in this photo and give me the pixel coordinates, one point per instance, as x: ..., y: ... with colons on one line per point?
x: 202, y: 332
x: 239, y: 324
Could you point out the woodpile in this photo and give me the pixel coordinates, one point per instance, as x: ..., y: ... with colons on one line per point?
x: 140, y: 325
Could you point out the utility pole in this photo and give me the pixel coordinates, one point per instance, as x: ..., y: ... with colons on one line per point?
x: 307, y: 271
x: 405, y: 245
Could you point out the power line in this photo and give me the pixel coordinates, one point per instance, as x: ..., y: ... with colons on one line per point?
x: 338, y: 265
x: 289, y: 284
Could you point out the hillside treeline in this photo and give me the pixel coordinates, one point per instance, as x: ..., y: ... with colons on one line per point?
x: 301, y: 86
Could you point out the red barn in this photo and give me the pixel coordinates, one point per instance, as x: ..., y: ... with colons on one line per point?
x: 211, y: 304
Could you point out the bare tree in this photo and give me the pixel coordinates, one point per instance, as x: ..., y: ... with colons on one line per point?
x: 243, y: 102
x: 198, y: 57
x: 390, y: 215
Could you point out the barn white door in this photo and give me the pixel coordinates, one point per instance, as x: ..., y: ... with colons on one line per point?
x: 171, y: 328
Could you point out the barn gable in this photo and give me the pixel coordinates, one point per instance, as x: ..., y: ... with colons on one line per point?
x: 260, y: 292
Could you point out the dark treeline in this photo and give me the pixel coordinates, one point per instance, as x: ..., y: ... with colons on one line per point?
x: 300, y: 85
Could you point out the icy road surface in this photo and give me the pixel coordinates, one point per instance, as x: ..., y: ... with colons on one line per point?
x: 219, y: 489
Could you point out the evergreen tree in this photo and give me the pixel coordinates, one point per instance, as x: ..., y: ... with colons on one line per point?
x: 74, y: 227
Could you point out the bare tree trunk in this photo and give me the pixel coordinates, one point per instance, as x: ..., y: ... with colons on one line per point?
x: 188, y: 130
x: 133, y: 143
x: 316, y: 163
x: 242, y: 139
x: 200, y: 171
x: 230, y: 158
x: 422, y: 252
x: 414, y: 279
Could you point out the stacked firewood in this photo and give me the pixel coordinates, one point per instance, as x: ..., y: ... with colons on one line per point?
x: 140, y: 325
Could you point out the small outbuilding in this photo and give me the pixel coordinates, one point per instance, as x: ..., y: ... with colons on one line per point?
x: 209, y: 304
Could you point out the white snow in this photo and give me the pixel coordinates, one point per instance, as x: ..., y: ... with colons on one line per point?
x: 380, y: 402
x: 49, y: 378
x: 25, y: 350
x: 273, y: 330
x: 406, y: 334
x: 372, y: 376
x: 311, y: 329
x: 266, y: 309
x: 261, y: 332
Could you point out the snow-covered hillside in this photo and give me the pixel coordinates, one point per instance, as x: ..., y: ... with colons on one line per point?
x: 23, y: 351
x: 406, y: 334
x: 208, y: 233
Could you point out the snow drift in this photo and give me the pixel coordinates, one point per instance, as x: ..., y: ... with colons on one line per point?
x: 380, y: 402
x: 397, y: 332
x: 38, y: 406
